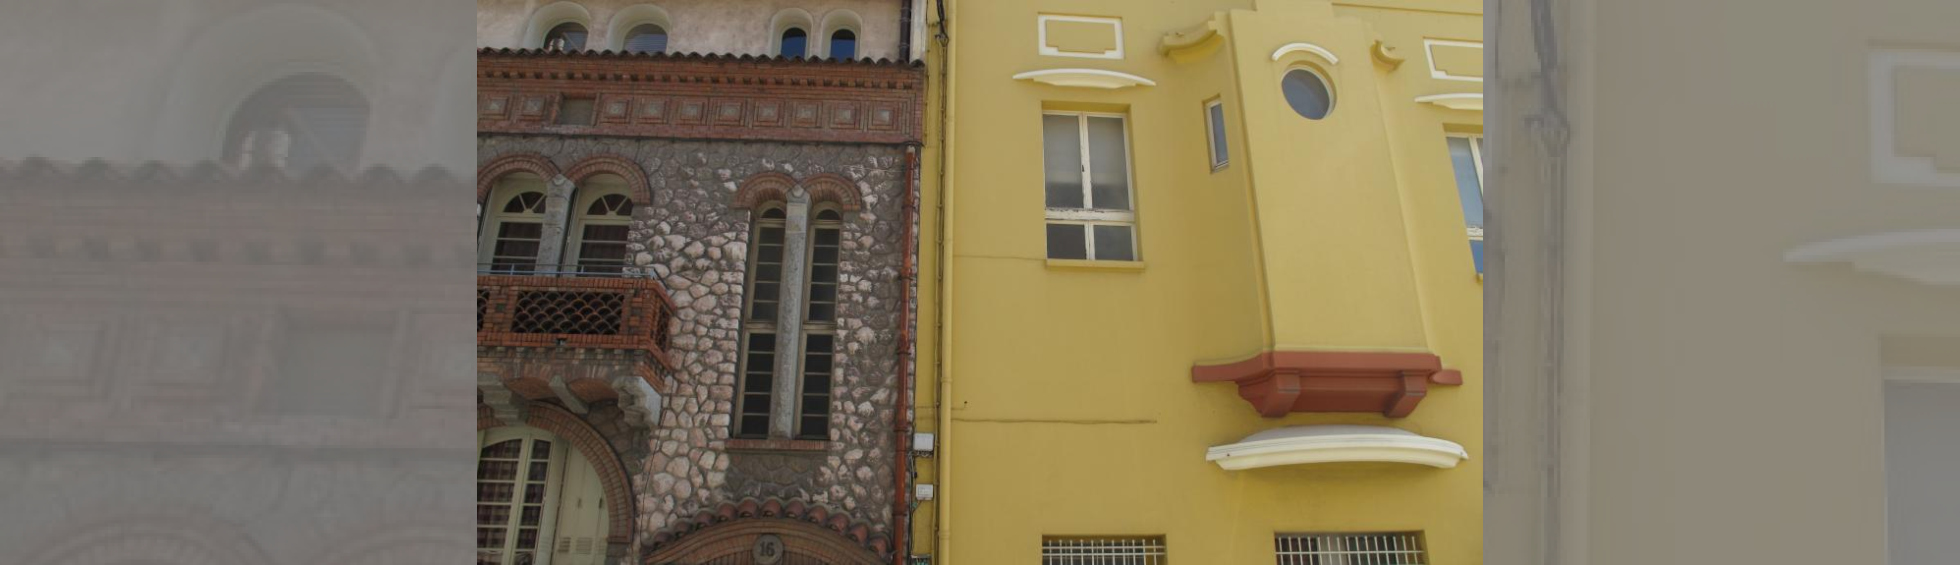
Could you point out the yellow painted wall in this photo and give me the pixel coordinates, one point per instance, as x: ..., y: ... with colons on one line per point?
x: 1068, y: 404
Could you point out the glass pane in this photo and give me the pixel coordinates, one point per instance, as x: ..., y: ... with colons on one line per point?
x: 1468, y: 188
x: 647, y: 38
x: 496, y: 470
x: 843, y: 45
x: 532, y: 515
x: 1477, y: 254
x: 823, y: 293
x: 492, y: 514
x: 768, y: 272
x: 1217, y: 116
x: 504, y: 450
x: 795, y: 42
x: 823, y: 312
x: 1115, y: 243
x: 1061, y: 153
x: 1067, y: 241
x: 1306, y: 94
x: 754, y: 426
x: 762, y: 342
x: 495, y: 492
x: 534, y: 493
x: 566, y: 37
x: 769, y: 253
x: 1109, y: 164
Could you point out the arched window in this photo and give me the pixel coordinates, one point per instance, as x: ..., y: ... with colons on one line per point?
x: 820, y: 326
x: 795, y: 42
x: 603, y: 216
x: 646, y: 38
x: 843, y: 44
x: 765, y: 282
x: 513, y: 228
x: 537, y: 500
x: 568, y: 36
x: 298, y: 123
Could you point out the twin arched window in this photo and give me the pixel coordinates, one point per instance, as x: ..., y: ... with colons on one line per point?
x: 514, y: 236
x: 817, y: 325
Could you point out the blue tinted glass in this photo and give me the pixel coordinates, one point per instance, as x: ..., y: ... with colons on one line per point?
x: 795, y: 43
x: 843, y: 45
x: 1218, y: 152
x: 1306, y: 94
x: 1469, y: 188
x: 1477, y: 254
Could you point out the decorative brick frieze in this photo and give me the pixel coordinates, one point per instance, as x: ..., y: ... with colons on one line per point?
x: 702, y: 96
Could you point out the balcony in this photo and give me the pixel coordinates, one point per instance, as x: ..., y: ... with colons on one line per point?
x: 541, y: 310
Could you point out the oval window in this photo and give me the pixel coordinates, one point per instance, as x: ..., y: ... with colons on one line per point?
x: 1307, y: 93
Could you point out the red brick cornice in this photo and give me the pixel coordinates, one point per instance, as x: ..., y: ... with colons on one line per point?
x: 773, y: 186
x: 1279, y: 382
x: 613, y: 164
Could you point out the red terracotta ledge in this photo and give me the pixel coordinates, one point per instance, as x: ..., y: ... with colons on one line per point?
x: 1282, y: 382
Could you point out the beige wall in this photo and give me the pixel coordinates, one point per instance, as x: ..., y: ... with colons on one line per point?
x: 698, y: 26
x: 1716, y: 397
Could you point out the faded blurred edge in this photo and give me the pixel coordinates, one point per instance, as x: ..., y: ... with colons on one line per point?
x: 234, y: 269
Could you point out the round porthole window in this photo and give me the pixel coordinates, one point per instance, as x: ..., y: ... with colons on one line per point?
x: 1307, y: 93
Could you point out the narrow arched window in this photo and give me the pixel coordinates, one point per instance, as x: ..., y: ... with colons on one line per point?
x: 765, y: 282
x: 646, y: 38
x: 795, y: 42
x: 537, y: 501
x: 820, y: 326
x: 298, y: 123
x: 568, y: 36
x: 843, y: 44
x: 603, y: 217
x: 513, y: 228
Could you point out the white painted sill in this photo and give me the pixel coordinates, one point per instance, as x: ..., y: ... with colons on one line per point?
x: 1105, y: 266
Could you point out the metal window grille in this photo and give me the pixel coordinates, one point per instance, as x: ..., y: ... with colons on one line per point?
x: 1102, y: 551
x: 1393, y: 548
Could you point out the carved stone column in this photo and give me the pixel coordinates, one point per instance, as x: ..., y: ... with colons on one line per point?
x: 789, y: 316
x: 557, y: 205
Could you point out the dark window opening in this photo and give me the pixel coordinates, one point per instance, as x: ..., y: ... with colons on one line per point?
x: 298, y: 123
x: 795, y: 42
x: 646, y: 38
x: 843, y: 44
x: 565, y: 37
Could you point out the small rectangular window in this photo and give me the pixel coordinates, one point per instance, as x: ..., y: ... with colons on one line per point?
x: 576, y: 111
x: 1467, y: 161
x: 1215, y: 132
x: 1102, y: 550
x: 1090, y: 209
x: 1391, y: 548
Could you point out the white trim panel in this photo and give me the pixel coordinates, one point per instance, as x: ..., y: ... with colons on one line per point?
x: 1888, y: 166
x: 1473, y: 101
x: 1041, y: 34
x: 1429, y: 55
x: 1929, y: 257
x: 1302, y: 445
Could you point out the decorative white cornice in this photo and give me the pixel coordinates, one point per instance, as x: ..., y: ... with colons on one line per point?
x: 1301, y: 445
x: 1307, y: 47
x: 1085, y: 78
x: 1935, y: 375
x: 1473, y: 101
x: 1930, y: 257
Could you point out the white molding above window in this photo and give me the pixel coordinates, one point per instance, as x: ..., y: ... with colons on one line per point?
x: 1930, y: 257
x: 1041, y: 31
x: 1300, y: 445
x: 1473, y: 101
x: 1291, y: 48
x: 1085, y: 78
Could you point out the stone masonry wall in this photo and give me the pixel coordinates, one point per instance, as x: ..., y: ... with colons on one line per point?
x: 696, y: 244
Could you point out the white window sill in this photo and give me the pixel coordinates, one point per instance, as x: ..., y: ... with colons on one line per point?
x: 1087, y: 265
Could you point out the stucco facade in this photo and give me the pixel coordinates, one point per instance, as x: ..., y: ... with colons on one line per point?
x: 1316, y: 271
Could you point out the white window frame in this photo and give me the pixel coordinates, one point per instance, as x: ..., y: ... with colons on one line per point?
x: 575, y: 233
x: 1477, y: 156
x: 494, y: 217
x: 1094, y: 216
x: 555, y: 464
x: 1114, y: 550
x: 1212, y: 129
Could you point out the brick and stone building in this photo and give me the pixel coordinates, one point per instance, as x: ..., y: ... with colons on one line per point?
x: 695, y: 300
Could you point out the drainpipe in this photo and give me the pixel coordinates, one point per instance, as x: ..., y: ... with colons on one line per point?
x: 902, y: 416
x: 942, y: 466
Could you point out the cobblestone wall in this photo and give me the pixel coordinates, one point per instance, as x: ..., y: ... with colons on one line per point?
x: 696, y: 244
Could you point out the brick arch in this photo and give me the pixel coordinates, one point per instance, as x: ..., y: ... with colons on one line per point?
x: 733, y: 542
x: 173, y: 538
x: 612, y: 471
x: 832, y: 187
x: 760, y: 188
x: 614, y: 164
x: 487, y: 175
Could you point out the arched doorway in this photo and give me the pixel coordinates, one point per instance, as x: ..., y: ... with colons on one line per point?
x: 764, y: 541
x: 539, y: 501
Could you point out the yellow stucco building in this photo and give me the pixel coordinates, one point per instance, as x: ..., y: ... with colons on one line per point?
x: 1207, y: 281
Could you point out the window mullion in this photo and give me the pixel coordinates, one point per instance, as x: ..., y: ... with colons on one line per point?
x: 1088, y: 163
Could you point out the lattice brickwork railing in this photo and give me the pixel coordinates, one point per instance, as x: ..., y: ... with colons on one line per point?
x: 580, y: 312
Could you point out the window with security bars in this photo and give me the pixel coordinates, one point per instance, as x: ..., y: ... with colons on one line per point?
x: 599, y: 231
x: 820, y: 327
x: 1086, y: 169
x: 1392, y: 548
x: 512, y: 496
x: 514, y: 227
x: 1102, y: 551
x: 1467, y: 162
x: 759, y: 325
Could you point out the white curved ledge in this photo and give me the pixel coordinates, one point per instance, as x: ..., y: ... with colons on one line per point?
x: 1085, y: 78
x: 1308, y: 47
x: 1460, y: 101
x: 1929, y: 257
x: 1302, y: 445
